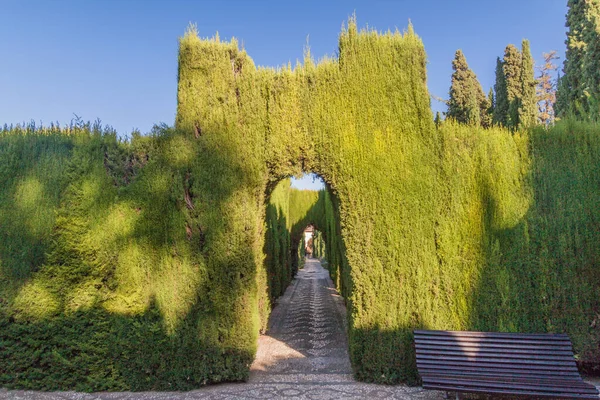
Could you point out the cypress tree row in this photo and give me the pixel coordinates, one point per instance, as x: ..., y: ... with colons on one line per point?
x: 570, y: 97
x: 516, y: 102
x: 438, y: 119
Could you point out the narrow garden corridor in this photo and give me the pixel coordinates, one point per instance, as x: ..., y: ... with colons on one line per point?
x: 306, y: 340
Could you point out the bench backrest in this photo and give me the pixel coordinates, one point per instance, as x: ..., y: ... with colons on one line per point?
x: 501, y: 355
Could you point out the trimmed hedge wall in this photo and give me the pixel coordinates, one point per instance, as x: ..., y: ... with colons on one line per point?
x: 152, y: 263
x: 438, y: 226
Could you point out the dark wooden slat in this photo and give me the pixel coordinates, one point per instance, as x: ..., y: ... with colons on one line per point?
x: 499, y: 376
x: 556, y: 395
x: 510, y: 387
x: 465, y: 363
x: 495, y: 343
x: 477, y: 360
x: 546, y: 382
x: 474, y: 341
x: 495, y: 347
x: 462, y: 334
x: 495, y: 372
x: 506, y: 354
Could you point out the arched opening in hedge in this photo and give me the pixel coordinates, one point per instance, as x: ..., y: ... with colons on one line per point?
x: 363, y: 122
x: 289, y: 211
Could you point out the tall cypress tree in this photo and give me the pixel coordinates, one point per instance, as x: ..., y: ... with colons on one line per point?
x: 571, y: 95
x: 501, y: 101
x: 512, y: 74
x: 591, y: 58
x: 528, y: 99
x: 466, y: 95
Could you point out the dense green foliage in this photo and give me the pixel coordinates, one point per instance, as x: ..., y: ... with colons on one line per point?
x: 468, y: 103
x: 117, y: 301
x: 500, y: 113
x: 579, y: 88
x: 155, y: 261
x: 525, y: 231
x: 516, y: 102
x: 528, y: 107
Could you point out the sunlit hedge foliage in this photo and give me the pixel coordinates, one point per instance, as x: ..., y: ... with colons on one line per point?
x: 153, y: 263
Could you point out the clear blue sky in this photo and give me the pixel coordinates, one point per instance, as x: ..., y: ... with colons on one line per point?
x: 117, y: 60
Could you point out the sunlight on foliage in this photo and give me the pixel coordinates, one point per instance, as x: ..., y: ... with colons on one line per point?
x: 35, y: 300
x: 153, y: 263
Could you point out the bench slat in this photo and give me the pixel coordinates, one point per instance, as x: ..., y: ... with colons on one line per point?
x: 466, y: 334
x: 507, y: 354
x: 496, y: 347
x: 470, y: 370
x: 476, y: 341
x: 465, y: 363
x: 493, y: 359
x: 556, y: 395
x: 537, y: 384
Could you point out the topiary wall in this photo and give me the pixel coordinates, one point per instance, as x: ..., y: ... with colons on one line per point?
x: 436, y: 224
x: 152, y: 263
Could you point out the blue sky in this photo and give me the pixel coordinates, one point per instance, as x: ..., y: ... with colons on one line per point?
x: 117, y: 60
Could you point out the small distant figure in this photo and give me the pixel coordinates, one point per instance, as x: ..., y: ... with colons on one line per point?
x: 308, y: 240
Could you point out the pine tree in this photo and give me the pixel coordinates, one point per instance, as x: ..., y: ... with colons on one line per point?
x: 467, y: 99
x: 546, y: 89
x: 512, y: 74
x: 500, y: 115
x: 438, y: 119
x: 528, y: 101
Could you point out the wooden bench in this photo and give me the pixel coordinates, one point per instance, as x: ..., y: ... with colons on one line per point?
x: 532, y: 365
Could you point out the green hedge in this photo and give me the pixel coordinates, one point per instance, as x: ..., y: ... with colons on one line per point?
x: 153, y: 263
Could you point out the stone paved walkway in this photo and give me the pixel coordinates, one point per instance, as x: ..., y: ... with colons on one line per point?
x: 304, y: 355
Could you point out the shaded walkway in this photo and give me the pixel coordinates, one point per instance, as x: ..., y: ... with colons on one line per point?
x: 306, y: 340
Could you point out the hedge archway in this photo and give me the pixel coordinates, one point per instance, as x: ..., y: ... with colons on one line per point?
x: 363, y: 122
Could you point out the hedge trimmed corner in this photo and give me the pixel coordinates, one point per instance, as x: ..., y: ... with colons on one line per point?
x: 152, y: 263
